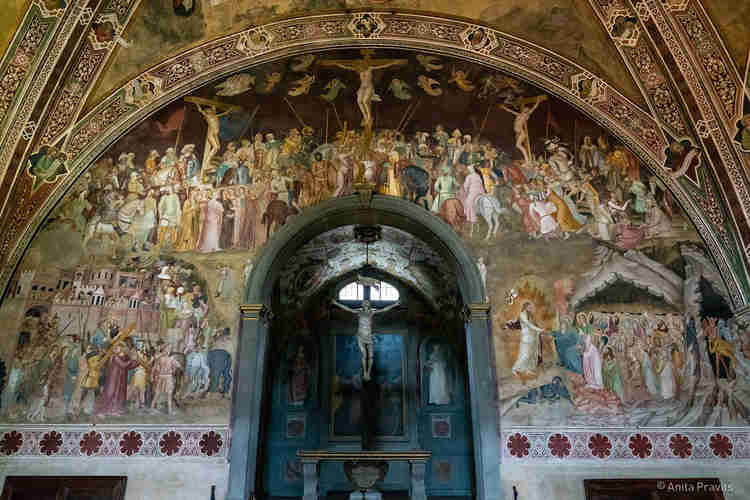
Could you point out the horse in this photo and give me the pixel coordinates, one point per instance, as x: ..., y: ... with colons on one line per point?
x: 220, y: 367
x: 197, y: 373
x: 125, y: 218
x: 277, y: 212
x: 489, y: 208
x: 97, y: 227
x: 416, y: 180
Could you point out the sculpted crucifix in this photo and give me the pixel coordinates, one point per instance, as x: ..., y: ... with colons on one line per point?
x: 364, y: 331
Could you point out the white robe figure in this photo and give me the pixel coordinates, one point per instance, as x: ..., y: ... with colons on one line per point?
x: 592, y: 365
x: 546, y: 211
x: 648, y: 374
x: 528, y: 351
x: 11, y: 390
x: 438, y: 386
x: 667, y: 386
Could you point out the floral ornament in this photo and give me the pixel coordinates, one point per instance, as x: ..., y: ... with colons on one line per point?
x: 518, y: 445
x: 11, y: 443
x: 680, y: 446
x: 559, y: 445
x: 640, y: 446
x: 50, y: 443
x: 90, y: 443
x: 210, y: 443
x: 130, y: 443
x: 721, y: 445
x: 600, y: 446
x: 170, y: 443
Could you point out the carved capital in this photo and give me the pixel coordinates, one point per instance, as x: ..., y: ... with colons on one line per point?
x: 477, y: 311
x: 254, y: 312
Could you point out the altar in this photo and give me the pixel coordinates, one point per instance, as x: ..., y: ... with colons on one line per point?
x: 378, y: 460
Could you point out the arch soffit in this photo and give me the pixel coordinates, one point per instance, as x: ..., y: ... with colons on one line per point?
x: 336, y: 256
x: 345, y: 211
x: 182, y: 74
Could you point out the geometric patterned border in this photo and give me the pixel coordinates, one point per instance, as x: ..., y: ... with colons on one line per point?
x: 640, y: 55
x: 636, y: 445
x: 86, y: 441
x: 714, y: 112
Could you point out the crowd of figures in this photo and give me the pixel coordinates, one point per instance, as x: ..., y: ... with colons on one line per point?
x: 249, y: 187
x: 149, y: 351
x: 618, y: 360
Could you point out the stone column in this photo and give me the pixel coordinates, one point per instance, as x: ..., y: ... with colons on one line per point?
x: 250, y: 362
x: 417, y: 489
x: 484, y: 412
x: 310, y: 472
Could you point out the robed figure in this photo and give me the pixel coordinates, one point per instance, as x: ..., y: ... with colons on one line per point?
x: 528, y: 351
x: 112, y: 399
x: 212, y: 224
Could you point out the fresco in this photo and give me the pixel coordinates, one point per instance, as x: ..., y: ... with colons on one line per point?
x: 162, y: 29
x: 605, y: 308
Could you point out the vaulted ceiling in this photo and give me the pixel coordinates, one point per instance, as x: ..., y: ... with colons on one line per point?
x: 337, y: 253
x: 680, y: 64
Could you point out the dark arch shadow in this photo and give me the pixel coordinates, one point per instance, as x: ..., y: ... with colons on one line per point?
x: 384, y: 210
x: 255, y: 330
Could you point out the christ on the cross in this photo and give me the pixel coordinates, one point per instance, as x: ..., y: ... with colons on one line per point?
x: 364, y: 331
x: 365, y: 68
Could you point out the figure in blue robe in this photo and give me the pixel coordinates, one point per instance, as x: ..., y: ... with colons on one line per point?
x: 566, y: 345
x: 554, y: 391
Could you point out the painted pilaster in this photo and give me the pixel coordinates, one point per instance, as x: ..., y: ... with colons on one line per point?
x: 251, y: 356
x: 484, y: 413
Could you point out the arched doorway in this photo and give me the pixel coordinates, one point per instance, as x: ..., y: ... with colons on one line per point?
x: 256, y: 329
x: 316, y: 397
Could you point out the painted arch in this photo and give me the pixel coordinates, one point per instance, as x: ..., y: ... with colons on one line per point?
x: 91, y: 135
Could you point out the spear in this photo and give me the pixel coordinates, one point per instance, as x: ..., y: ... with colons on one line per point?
x: 295, y: 112
x: 338, y: 118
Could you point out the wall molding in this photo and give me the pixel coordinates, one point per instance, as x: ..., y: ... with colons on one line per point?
x: 626, y: 445
x: 175, y: 442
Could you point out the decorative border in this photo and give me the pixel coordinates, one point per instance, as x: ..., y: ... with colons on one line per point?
x: 640, y: 56
x: 713, y: 57
x: 22, y: 57
x: 21, y: 60
x: 68, y: 20
x: 85, y: 441
x: 80, y: 81
x: 710, y: 117
x: 626, y: 445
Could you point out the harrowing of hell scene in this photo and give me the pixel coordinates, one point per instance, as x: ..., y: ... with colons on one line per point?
x: 605, y: 306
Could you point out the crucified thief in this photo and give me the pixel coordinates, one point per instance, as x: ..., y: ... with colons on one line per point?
x: 364, y: 331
